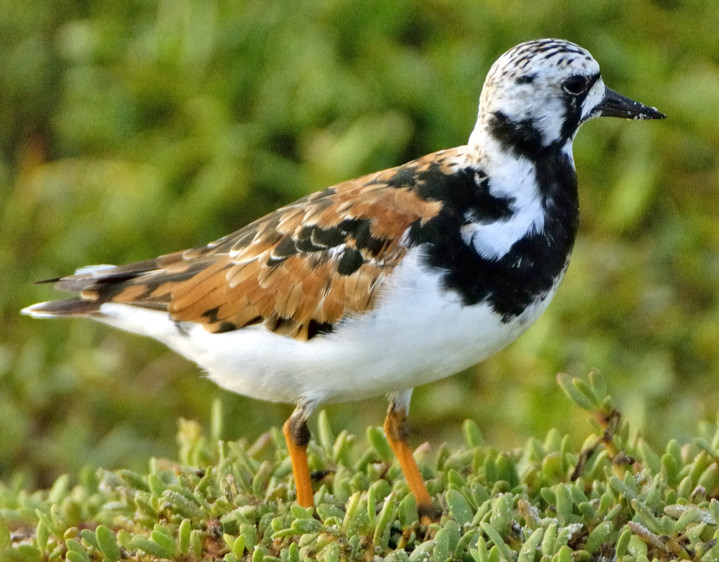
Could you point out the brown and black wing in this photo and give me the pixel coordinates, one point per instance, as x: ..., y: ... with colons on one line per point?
x: 298, y: 271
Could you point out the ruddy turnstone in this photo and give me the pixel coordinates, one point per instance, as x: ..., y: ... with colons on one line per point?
x: 385, y: 282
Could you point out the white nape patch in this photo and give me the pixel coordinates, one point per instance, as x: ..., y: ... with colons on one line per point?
x: 515, y: 180
x: 92, y: 269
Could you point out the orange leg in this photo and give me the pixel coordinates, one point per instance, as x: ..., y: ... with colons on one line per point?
x: 395, y: 427
x: 298, y: 436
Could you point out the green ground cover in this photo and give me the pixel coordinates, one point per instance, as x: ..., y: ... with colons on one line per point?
x: 614, y: 499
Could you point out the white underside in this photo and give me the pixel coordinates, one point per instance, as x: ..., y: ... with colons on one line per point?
x: 417, y: 334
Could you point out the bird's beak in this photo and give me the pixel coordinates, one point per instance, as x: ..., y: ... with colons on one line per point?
x: 616, y: 105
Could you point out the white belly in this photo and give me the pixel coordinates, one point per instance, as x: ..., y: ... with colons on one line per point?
x: 418, y: 333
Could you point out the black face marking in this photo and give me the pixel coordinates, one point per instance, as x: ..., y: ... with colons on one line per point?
x: 518, y: 137
x: 576, y: 85
x: 573, y: 109
x: 526, y: 79
x: 573, y: 116
x: 523, y: 138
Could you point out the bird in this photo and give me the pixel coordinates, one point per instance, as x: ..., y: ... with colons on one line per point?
x: 382, y: 283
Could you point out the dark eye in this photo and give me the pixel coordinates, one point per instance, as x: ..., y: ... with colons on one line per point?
x: 576, y: 85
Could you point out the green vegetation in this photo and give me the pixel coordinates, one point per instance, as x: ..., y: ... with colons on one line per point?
x: 233, y: 500
x: 143, y: 127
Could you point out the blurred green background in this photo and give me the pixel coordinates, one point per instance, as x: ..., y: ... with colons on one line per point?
x: 130, y: 129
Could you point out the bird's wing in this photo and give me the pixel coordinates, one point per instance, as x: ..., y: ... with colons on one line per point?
x: 298, y: 271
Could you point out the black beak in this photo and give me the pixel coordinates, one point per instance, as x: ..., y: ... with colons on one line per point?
x: 616, y: 105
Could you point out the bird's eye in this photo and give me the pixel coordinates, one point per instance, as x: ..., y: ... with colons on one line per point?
x: 576, y: 85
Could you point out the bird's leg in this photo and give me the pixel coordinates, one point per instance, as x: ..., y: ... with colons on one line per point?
x: 397, y: 432
x: 297, y: 436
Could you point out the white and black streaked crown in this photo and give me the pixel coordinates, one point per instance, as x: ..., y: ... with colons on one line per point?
x: 539, y: 93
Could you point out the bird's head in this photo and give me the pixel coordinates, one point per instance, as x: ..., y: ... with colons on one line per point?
x: 540, y: 92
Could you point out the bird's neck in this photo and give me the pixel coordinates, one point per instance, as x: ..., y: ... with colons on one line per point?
x: 520, y: 166
x: 539, y: 182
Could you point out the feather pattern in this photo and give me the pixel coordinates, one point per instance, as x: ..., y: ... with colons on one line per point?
x: 298, y: 271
